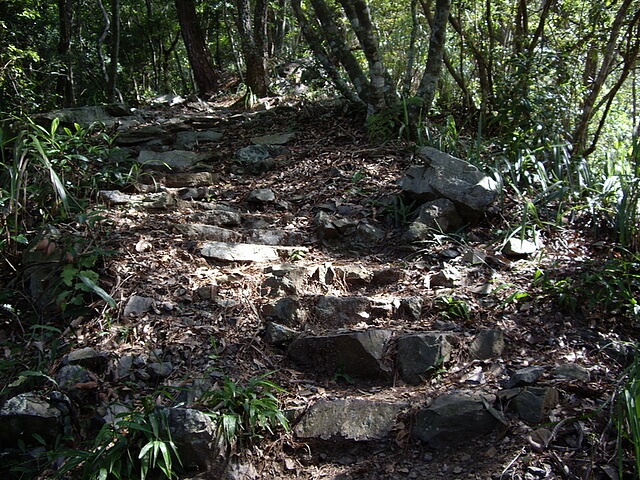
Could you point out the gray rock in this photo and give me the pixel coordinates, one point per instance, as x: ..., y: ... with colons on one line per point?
x: 239, y: 252
x: 341, y: 311
x: 138, y: 305
x: 194, y: 193
x: 456, y: 418
x: 357, y: 354
x: 534, y: 403
x: 348, y: 419
x: 220, y: 218
x: 173, y: 160
x: 190, y: 140
x: 87, y: 357
x: 325, y: 228
x: 387, y: 276
x: 326, y: 274
x: 440, y: 215
x: 158, y: 201
x: 448, y: 277
x: 158, y: 371
x: 257, y: 159
x: 411, y: 307
x: 70, y: 375
x: 207, y: 232
x: 516, y: 247
x: 368, y: 233
x: 571, y: 371
x: 279, y: 335
x: 190, y: 179
x: 474, y: 257
x: 29, y: 413
x: 261, y: 196
x: 284, y: 279
x: 148, y: 135
x: 355, y: 275
x: 487, y: 344
x: 420, y: 354
x: 288, y: 311
x: 115, y: 197
x: 276, y: 139
x: 194, y: 434
x: 525, y: 376
x: 86, y: 116
x: 444, y: 176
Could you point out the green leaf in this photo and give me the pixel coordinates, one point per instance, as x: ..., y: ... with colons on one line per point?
x: 97, y: 290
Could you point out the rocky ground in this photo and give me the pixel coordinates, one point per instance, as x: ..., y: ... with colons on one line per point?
x: 401, y: 357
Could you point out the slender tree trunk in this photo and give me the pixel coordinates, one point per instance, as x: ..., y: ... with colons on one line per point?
x: 205, y: 77
x: 113, y: 94
x: 382, y: 91
x: 411, y: 54
x: 581, y: 131
x: 429, y: 83
x: 252, y: 27
x: 65, y: 86
x: 321, y: 55
x: 341, y: 51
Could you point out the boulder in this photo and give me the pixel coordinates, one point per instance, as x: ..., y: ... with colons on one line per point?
x: 173, y: 160
x: 87, y: 357
x: 341, y: 311
x: 420, y: 354
x: 239, y: 252
x: 356, y: 354
x: 217, y: 217
x: 30, y: 413
x: 257, y: 159
x: 455, y: 419
x: 207, y: 232
x: 487, y: 344
x: 445, y: 176
x: 440, y: 215
x: 534, y: 403
x: 194, y: 434
x: 279, y: 335
x: 525, y: 376
x: 516, y: 247
x: 348, y: 419
x: 287, y: 310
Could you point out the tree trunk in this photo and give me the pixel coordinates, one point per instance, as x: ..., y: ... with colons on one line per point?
x: 429, y: 83
x: 252, y: 27
x: 341, y: 51
x: 581, y: 131
x: 382, y: 91
x: 205, y: 77
x: 321, y: 55
x: 65, y: 86
x: 113, y: 95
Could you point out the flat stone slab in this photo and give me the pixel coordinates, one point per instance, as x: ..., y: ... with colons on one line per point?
x: 348, y: 419
x: 207, y: 232
x: 456, y: 418
x: 276, y: 139
x: 353, y: 354
x: 239, y: 252
x: 174, y: 159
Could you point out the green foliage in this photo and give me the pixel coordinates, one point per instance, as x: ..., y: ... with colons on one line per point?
x: 245, y: 412
x: 79, y: 279
x: 627, y: 418
x: 611, y: 288
x: 453, y: 308
x: 136, y: 445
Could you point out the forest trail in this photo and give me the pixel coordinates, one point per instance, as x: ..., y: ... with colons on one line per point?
x: 221, y: 267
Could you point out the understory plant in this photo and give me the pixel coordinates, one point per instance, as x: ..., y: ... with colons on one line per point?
x: 245, y: 412
x: 136, y: 444
x: 627, y: 417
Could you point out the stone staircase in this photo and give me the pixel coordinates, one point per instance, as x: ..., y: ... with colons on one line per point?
x: 374, y: 373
